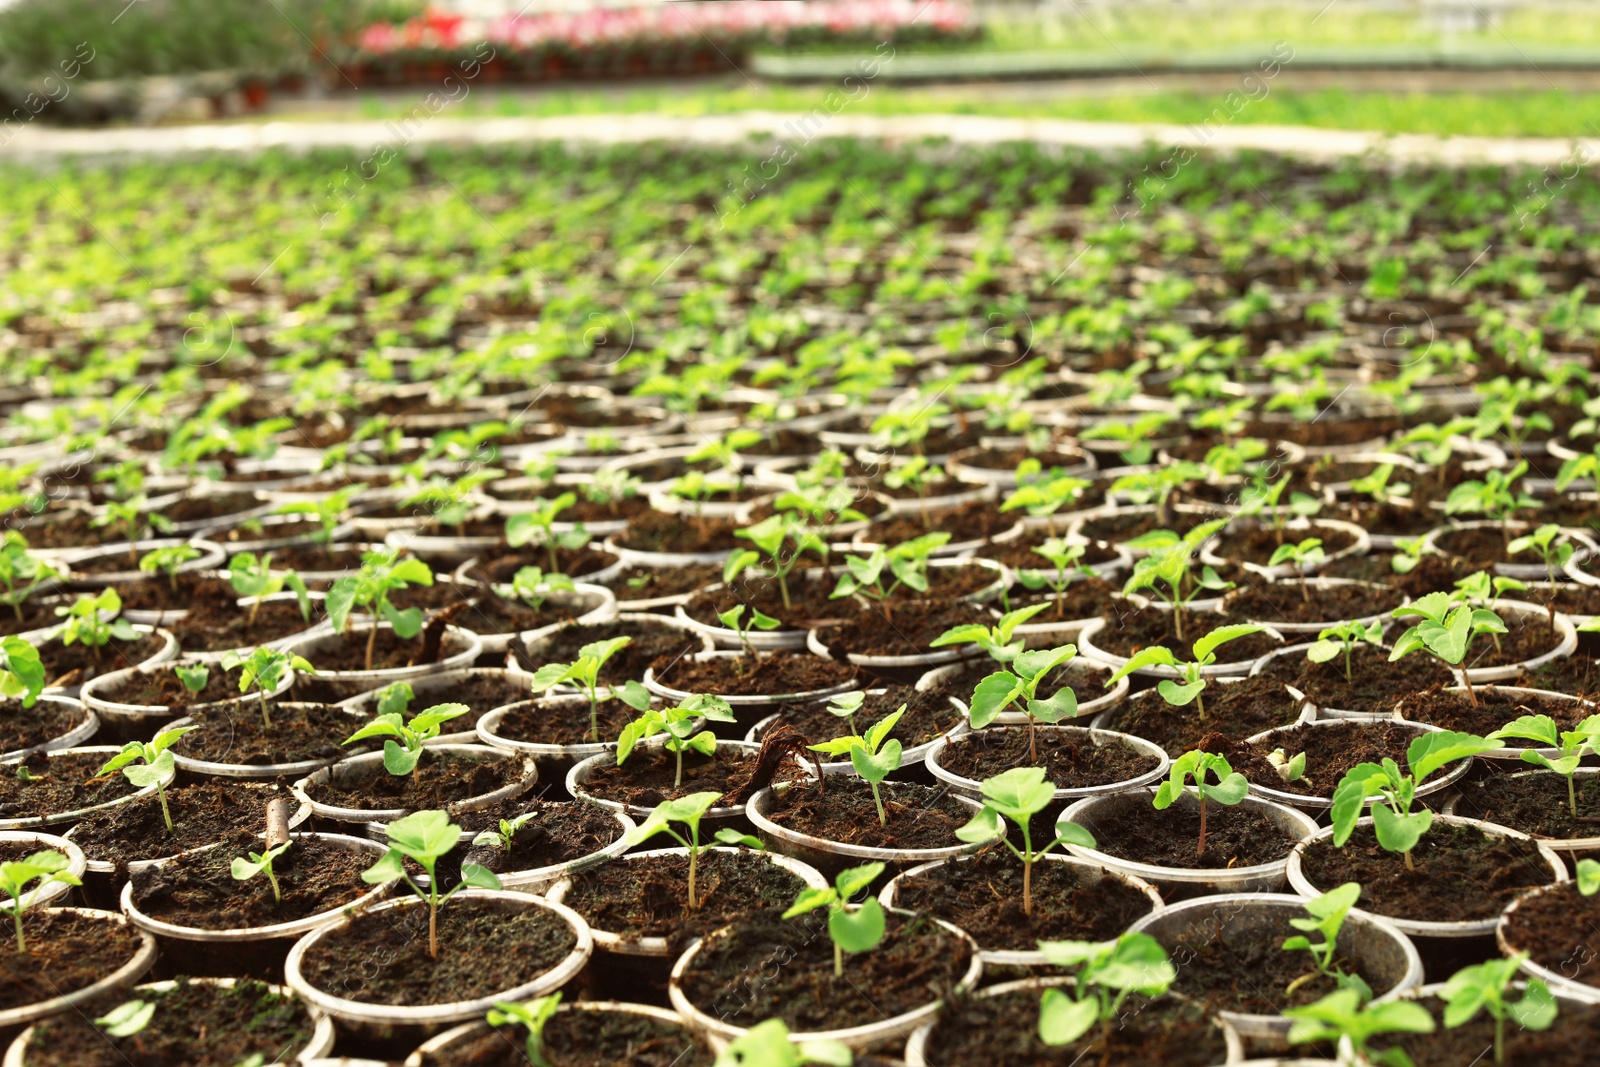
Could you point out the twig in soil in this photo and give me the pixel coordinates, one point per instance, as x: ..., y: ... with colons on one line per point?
x: 277, y: 821
x: 779, y: 743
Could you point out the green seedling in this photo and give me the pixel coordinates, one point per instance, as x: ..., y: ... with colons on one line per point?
x: 1261, y: 497
x: 1042, y: 494
x: 1134, y: 436
x: 853, y: 930
x: 996, y: 640
x: 168, y: 560
x: 1379, y: 485
x: 92, y: 621
x: 1289, y: 768
x: 915, y: 474
x: 327, y: 511
x: 46, y: 867
x: 534, y: 586
x: 688, y: 810
x: 1496, y: 497
x: 1446, y: 631
x: 21, y: 572
x: 1553, y: 552
x: 904, y: 564
x: 1165, y: 569
x: 127, y: 1018
x: 132, y: 518
x: 1344, y: 1014
x: 1018, y: 795
x: 770, y: 535
x: 21, y: 671
x: 734, y: 616
x: 767, y: 1044
x: 1157, y: 486
x: 537, y: 527
x: 1064, y: 558
x: 505, y: 835
x: 845, y: 706
x: 147, y: 763
x: 875, y: 755
x: 1487, y: 987
x: 1326, y: 917
x: 534, y: 1016
x: 194, y: 676
x: 260, y: 863
x: 1107, y: 975
x: 585, y: 673
x: 1588, y: 877
x: 1195, y: 766
x: 405, y: 740
x: 1396, y: 826
x: 1020, y: 686
x: 424, y: 837
x: 678, y: 724
x: 1304, y: 556
x: 1191, y: 674
x: 1573, y: 745
x: 264, y: 668
x: 255, y: 578
x: 1343, y: 638
x: 382, y: 574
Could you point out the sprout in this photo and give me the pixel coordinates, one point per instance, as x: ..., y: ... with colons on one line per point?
x: 423, y: 837
x: 402, y: 750
x: 1573, y: 744
x: 149, y: 763
x: 86, y: 626
x: 996, y: 640
x: 1019, y: 794
x: 1327, y: 914
x: 46, y: 867
x: 21, y: 671
x: 875, y: 756
x: 769, y: 536
x: 127, y: 1018
x: 1343, y: 638
x: 256, y: 579
x: 688, y: 810
x: 1396, y: 826
x: 679, y: 725
x: 382, y: 574
x: 767, y: 1044
x: 1485, y: 987
x: 264, y: 668
x: 168, y: 559
x: 1192, y: 673
x: 1167, y: 564
x: 1305, y: 555
x: 533, y: 1015
x: 1001, y: 689
x: 245, y: 869
x: 731, y: 619
x: 853, y: 930
x: 1194, y: 765
x: 1446, y: 631
x: 585, y: 671
x: 533, y: 586
x: 193, y: 676
x: 1343, y: 1014
x: 1107, y: 976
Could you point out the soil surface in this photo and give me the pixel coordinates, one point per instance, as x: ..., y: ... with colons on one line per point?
x: 927, y: 716
x: 199, y: 1025
x: 983, y: 896
x: 502, y: 563
x: 967, y: 522
x: 772, y: 674
x: 658, y: 531
x: 647, y: 778
x: 1494, y: 709
x: 649, y: 897
x: 649, y: 584
x: 650, y: 642
x: 75, y: 664
x: 901, y: 628
x: 162, y: 687
x: 1330, y: 752
x: 1237, y: 711
x: 1535, y: 803
x: 1557, y: 929
x: 1071, y: 760
x: 1235, y: 837
x: 1087, y: 598
x: 66, y: 953
x: 389, y: 650
x: 1005, y: 1030
x: 1283, y: 602
x: 22, y: 727
x: 560, y: 832
x: 207, y: 811
x: 1257, y: 545
x: 1571, y: 1040
x: 842, y: 810
x: 584, y: 1039
x: 563, y: 721
x: 1461, y: 874
x: 382, y: 958
x: 60, y: 784
x: 441, y: 779
x: 1374, y: 685
x: 1130, y: 629
x: 917, y: 962
x: 199, y: 890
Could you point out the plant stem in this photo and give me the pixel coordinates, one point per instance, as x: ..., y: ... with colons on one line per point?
x: 1410, y: 866
x: 161, y: 793
x: 783, y: 588
x: 1201, y: 847
x: 1027, y: 870
x: 1572, y: 797
x: 838, y: 961
x: 677, y: 777
x: 883, y: 819
x: 1499, y: 1040
x: 1033, y: 755
x: 266, y: 719
x: 16, y: 917
x: 694, y: 856
x: 1468, y: 682
x: 372, y: 638
x: 433, y: 922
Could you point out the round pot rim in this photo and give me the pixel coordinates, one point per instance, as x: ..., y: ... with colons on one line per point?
x: 578, y: 774
x: 1140, y: 744
x: 124, y: 976
x: 530, y: 777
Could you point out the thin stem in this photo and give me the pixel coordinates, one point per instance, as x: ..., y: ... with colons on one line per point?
x: 1499, y: 1040
x: 1201, y: 847
x: 1033, y: 755
x: 677, y: 777
x: 1027, y: 870
x: 1468, y: 681
x: 433, y: 921
x: 1572, y: 797
x: 1410, y: 866
x: 266, y: 719
x: 694, y: 857
x: 16, y: 917
x: 838, y: 961
x: 372, y: 638
x: 883, y: 819
x: 783, y: 588
x: 161, y: 793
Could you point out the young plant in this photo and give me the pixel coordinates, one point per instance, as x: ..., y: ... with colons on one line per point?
x: 537, y: 527
x: 732, y: 618
x: 1261, y: 497
x: 505, y: 835
x: 1304, y: 556
x: 147, y: 763
x: 915, y: 474
x: 845, y: 706
x: 906, y: 564
x: 1191, y: 674
x: 875, y: 755
x: 21, y: 572
x: 1343, y: 638
x: 405, y: 739
x: 424, y: 837
x: 92, y: 621
x: 1496, y: 496
x: 1157, y: 486
x: 1020, y: 686
x: 194, y: 676
x: 1552, y: 552
x: 1344, y: 1013
x: 1396, y: 826
x: 127, y: 1018
x: 21, y: 671
x: 1167, y: 564
x: 1134, y: 436
x: 1446, y: 631
x: 1326, y: 917
x: 132, y: 518
x: 853, y: 930
x: 1018, y: 795
x: 382, y: 574
x: 585, y: 672
x: 264, y: 668
x: 1573, y: 745
x: 1042, y: 494
x: 1107, y: 975
x: 1064, y: 558
x: 996, y: 640
x: 534, y: 1015
x: 769, y: 536
x: 46, y: 868
x: 678, y: 724
x: 168, y: 559
x: 767, y: 1044
x: 1379, y: 486
x: 1194, y: 765
x: 688, y: 810
x: 1487, y: 987
x: 255, y: 578
x: 533, y: 586
x: 327, y: 511
x: 260, y: 863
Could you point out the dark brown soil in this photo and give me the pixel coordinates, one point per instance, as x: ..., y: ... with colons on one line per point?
x: 584, y: 1039
x: 1535, y: 803
x: 207, y: 811
x: 317, y: 558
x: 494, y: 614
x: 646, y: 779
x: 210, y: 506
x: 217, y: 624
x: 917, y: 962
x: 480, y: 692
x: 968, y: 522
x: 649, y: 897
x: 59, y: 784
x: 502, y: 564
x: 1495, y: 708
x: 983, y: 896
x: 1070, y: 759
x: 1461, y: 874
x: 1570, y: 1041
x: 388, y: 651
x: 236, y: 734
x: 902, y: 628
x: 651, y: 642
x: 1556, y: 929
x: 65, y: 953
x: 1235, y: 837
x: 1130, y: 629
x: 198, y: 890
x: 657, y: 531
x: 1087, y: 598
x: 162, y: 687
x: 1005, y: 1030
x: 441, y: 779
x: 642, y: 584
x: 1375, y: 684
x: 1528, y: 636
x: 840, y: 808
x: 772, y: 674
x: 22, y: 728
x: 1392, y: 520
x: 194, y: 1024
x: 1330, y: 752
x: 927, y: 716
x: 1577, y: 675
x: 1237, y: 711
x: 564, y: 721
x: 809, y: 605
x: 562, y: 832
x: 162, y: 594
x: 1481, y: 547
x: 1256, y: 545
x: 35, y: 616
x: 1282, y: 602
x: 75, y: 664
x: 1124, y: 527
x: 383, y: 958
